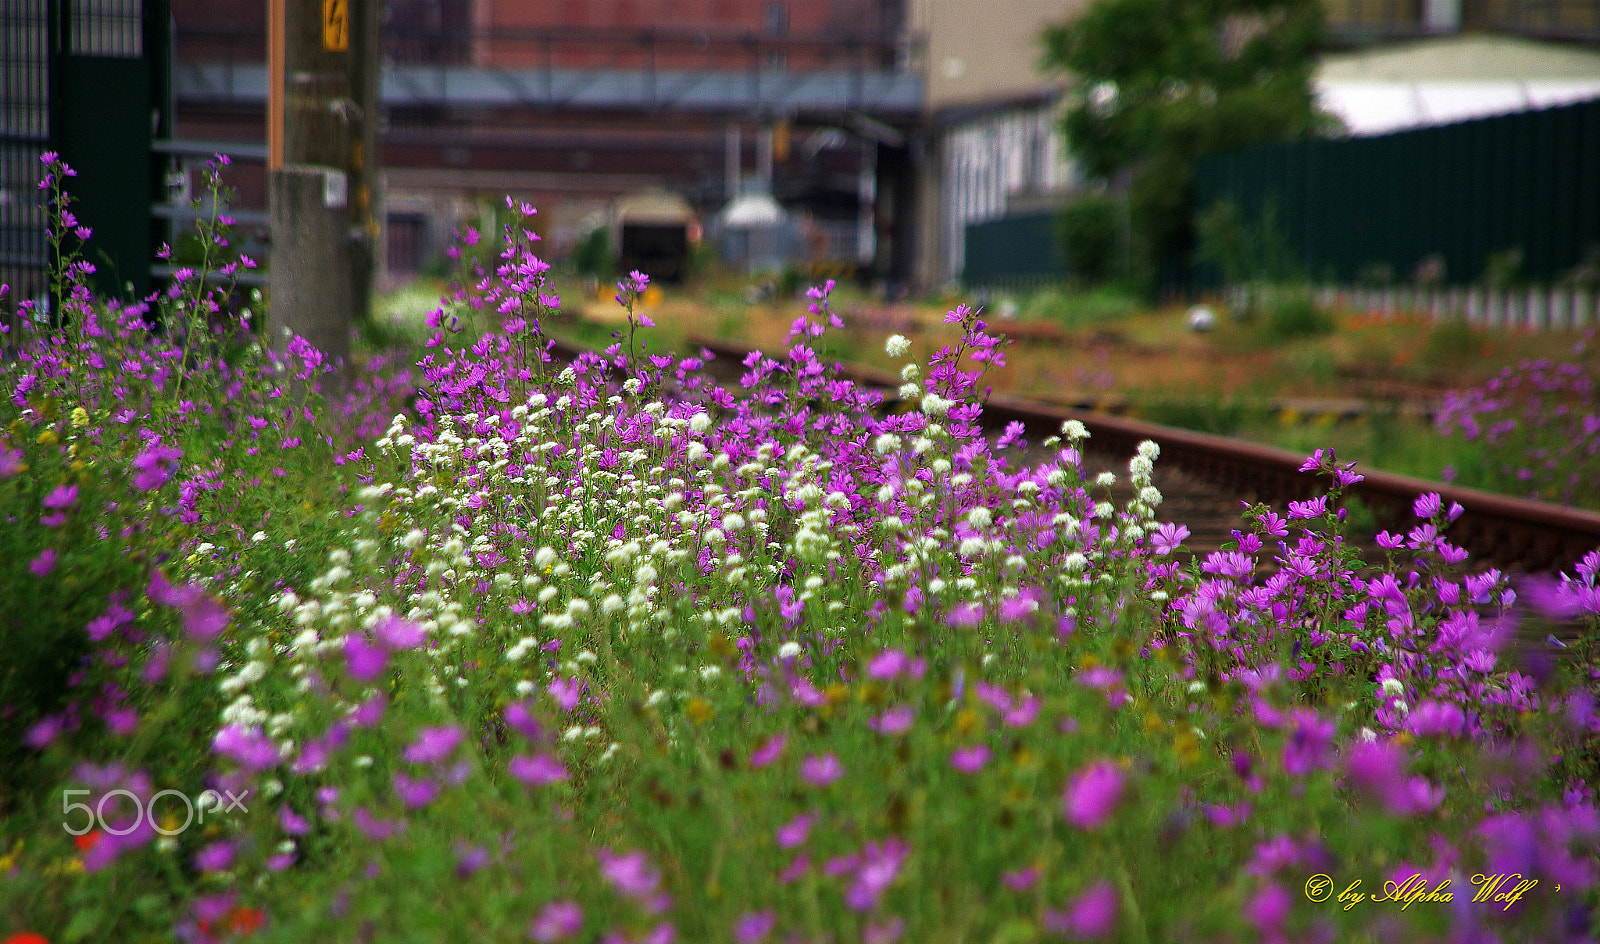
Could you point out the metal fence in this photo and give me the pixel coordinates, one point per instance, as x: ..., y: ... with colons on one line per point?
x: 26, y: 39
x: 87, y: 79
x: 1013, y: 252
x: 1516, y: 197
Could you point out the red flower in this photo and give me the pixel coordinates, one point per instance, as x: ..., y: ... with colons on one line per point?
x: 239, y: 921
x: 242, y: 920
x: 84, y: 843
x: 26, y: 937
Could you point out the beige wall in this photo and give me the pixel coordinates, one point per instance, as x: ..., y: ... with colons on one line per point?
x: 986, y: 50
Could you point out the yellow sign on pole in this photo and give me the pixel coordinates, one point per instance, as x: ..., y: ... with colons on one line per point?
x: 336, y: 25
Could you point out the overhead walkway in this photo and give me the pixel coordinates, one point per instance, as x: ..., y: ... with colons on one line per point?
x: 881, y: 93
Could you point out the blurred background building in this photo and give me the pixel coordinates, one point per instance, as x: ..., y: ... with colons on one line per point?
x: 574, y: 104
x: 882, y: 130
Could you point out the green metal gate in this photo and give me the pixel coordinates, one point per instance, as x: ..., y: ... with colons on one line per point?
x: 88, y: 79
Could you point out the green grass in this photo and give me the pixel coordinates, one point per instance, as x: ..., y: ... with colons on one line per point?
x: 1076, y: 310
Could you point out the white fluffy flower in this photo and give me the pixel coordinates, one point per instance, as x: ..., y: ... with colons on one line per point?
x: 897, y: 345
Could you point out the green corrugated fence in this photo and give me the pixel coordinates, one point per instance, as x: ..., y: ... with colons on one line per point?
x: 1527, y: 182
x: 1013, y: 252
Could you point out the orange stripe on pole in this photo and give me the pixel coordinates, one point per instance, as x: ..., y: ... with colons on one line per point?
x: 276, y: 39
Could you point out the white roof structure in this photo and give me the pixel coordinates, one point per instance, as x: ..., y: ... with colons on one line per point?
x: 752, y: 210
x: 653, y: 207
x: 1439, y: 81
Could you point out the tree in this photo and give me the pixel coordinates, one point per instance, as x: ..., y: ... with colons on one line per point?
x: 1162, y: 82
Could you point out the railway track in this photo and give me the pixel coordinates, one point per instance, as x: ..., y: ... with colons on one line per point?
x: 1204, y: 479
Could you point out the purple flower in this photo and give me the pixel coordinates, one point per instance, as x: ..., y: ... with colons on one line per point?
x: 292, y: 823
x: 893, y: 663
x: 106, y: 623
x: 469, y: 858
x: 1090, y: 916
x: 566, y: 692
x: 1023, y: 713
x: 1310, y: 738
x: 1421, y: 796
x: 415, y: 794
x: 376, y: 830
x: 885, y: 933
x: 769, y: 751
x: 215, y: 857
x: 155, y: 465
x: 62, y: 497
x: 631, y: 875
x: 819, y: 771
x: 557, y: 921
x: 1168, y: 537
x: 536, y: 771
x: 794, y: 832
x: 965, y: 615
x: 894, y: 721
x: 1269, y: 909
x: 395, y: 634
x: 1020, y: 880
x: 1428, y: 505
x: 1436, y: 719
x: 1092, y: 796
x: 1014, y: 609
x: 880, y: 863
x: 121, y: 722
x: 44, y: 732
x: 1377, y: 768
x: 521, y: 718
x: 1314, y: 508
x: 369, y: 712
x: 42, y: 565
x: 970, y: 760
x: 754, y: 926
x: 365, y: 661
x: 246, y: 746
x: 203, y: 617
x: 433, y: 745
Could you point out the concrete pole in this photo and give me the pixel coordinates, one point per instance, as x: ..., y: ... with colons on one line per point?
x: 320, y: 248
x: 732, y: 162
x: 764, y: 158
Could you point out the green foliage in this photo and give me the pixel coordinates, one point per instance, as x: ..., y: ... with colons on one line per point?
x: 1077, y: 310
x: 1162, y: 82
x: 1503, y: 269
x: 1245, y: 250
x: 592, y: 255
x: 1297, y: 315
x: 1450, y: 342
x: 1202, y: 412
x: 1090, y: 232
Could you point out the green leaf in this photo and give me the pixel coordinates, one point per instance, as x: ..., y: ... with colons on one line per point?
x: 83, y: 924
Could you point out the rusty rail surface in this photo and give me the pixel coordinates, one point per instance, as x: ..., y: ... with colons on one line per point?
x: 1513, y: 533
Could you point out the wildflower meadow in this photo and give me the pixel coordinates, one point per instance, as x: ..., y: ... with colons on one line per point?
x: 468, y: 644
